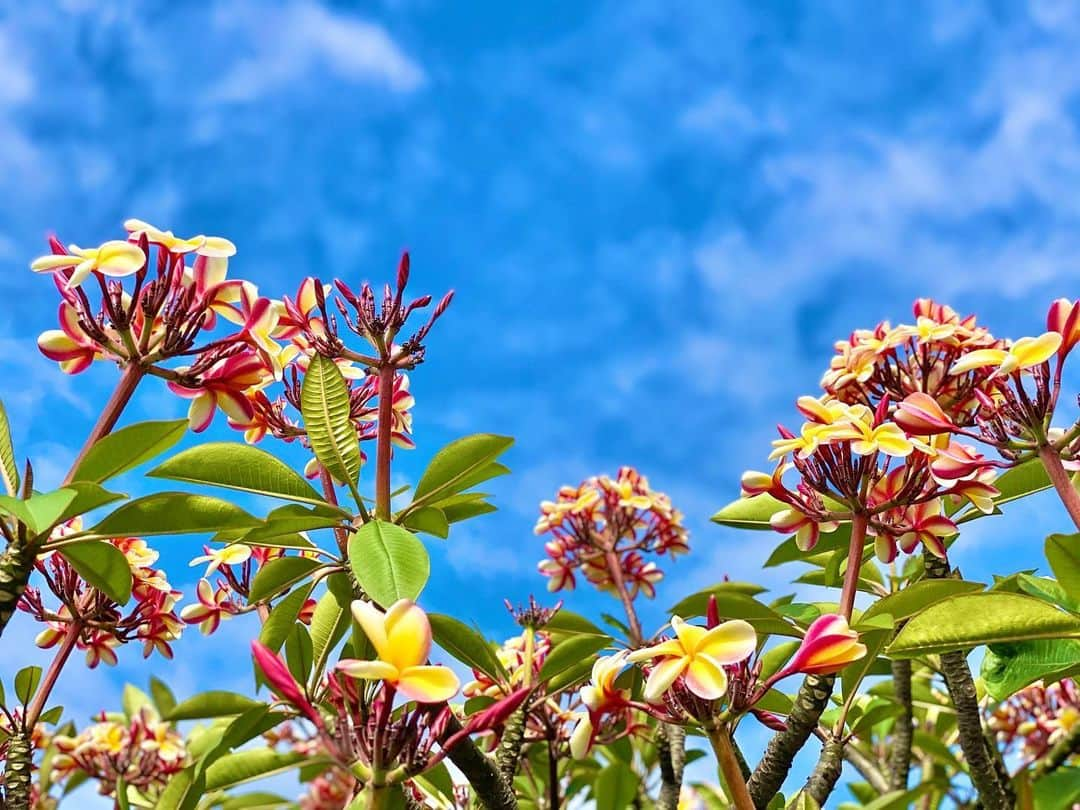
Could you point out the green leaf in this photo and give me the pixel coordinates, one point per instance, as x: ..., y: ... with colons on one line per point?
x: 173, y: 513
x: 1049, y: 590
x: 88, y: 496
x: 260, y: 800
x: 279, y: 574
x: 282, y: 618
x: 164, y: 699
x: 102, y: 565
x: 9, y: 470
x: 569, y: 652
x: 789, y: 551
x: 324, y: 402
x: 734, y: 605
x: 615, y: 787
x: 46, y: 509
x: 852, y: 675
x: 214, y: 703
x: 1024, y: 479
x: 773, y: 660
x: 389, y: 562
x: 26, y: 683
x: 465, y: 644
x: 749, y: 513
x: 298, y: 653
x: 238, y: 466
x: 429, y: 520
x: 331, y: 619
x: 1063, y: 553
x: 916, y: 597
x: 1008, y: 668
x: 570, y: 623
x: 127, y: 448
x: 970, y: 620
x: 456, y: 466
x: 247, y: 766
x: 134, y: 699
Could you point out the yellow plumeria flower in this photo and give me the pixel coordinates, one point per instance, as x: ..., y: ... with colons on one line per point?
x: 887, y: 437
x: 402, y: 641
x: 213, y: 247
x: 113, y: 258
x: 233, y: 554
x: 1024, y: 353
x: 600, y: 693
x: 698, y: 654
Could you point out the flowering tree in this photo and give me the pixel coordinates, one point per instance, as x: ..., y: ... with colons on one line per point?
x: 919, y: 430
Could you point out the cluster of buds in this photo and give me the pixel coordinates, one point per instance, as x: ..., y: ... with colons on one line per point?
x: 1036, y: 717
x: 100, y: 625
x: 514, y: 654
x: 236, y: 565
x: 362, y: 730
x: 604, y: 527
x: 143, y: 753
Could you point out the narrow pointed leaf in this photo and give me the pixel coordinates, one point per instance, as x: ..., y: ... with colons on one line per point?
x: 9, y: 470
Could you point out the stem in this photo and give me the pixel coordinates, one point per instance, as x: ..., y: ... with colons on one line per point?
x: 671, y: 747
x: 903, y: 732
x: 121, y: 396
x: 553, y: 776
x: 49, y: 681
x: 340, y: 535
x: 18, y: 771
x: 958, y: 680
x: 1059, y: 476
x: 854, y: 563
x: 615, y: 569
x: 382, y: 442
x: 492, y: 791
x: 375, y: 797
x: 770, y: 773
x: 16, y: 565
x: 513, y: 737
x: 827, y: 771
x: 720, y: 737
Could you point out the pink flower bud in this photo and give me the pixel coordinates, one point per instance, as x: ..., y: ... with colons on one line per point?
x: 1064, y: 318
x: 921, y: 415
x: 497, y: 713
x: 712, y: 613
x: 403, y: 271
x: 281, y: 681
x: 828, y: 646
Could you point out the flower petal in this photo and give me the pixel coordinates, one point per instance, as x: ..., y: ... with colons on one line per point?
x: 368, y: 670
x: 663, y: 675
x: 408, y: 634
x: 729, y: 642
x: 705, y: 677
x: 428, y: 684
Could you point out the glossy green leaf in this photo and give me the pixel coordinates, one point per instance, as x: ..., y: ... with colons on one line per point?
x: 615, y: 787
x: 134, y: 699
x: 970, y: 620
x: 233, y: 465
x: 569, y: 652
x: 734, y: 605
x: 102, y: 565
x: 454, y: 468
x: 331, y: 619
x: 749, y: 513
x: 788, y: 550
x: 279, y: 574
x: 1063, y: 553
x: 389, y: 562
x: 9, y: 469
x: 324, y: 402
x: 26, y: 683
x: 464, y: 644
x: 164, y: 699
x: 173, y: 513
x: 429, y: 520
x: 918, y: 596
x: 127, y: 448
x: 1008, y: 668
x: 214, y: 703
x: 247, y: 766
x: 88, y: 497
x: 298, y: 653
x: 282, y: 618
x: 568, y: 622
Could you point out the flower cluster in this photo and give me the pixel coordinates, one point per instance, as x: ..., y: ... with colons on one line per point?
x: 513, y: 655
x: 97, y: 623
x: 143, y: 752
x: 1037, y: 717
x: 604, y: 528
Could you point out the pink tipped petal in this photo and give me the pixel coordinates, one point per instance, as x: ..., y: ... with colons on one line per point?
x: 729, y: 642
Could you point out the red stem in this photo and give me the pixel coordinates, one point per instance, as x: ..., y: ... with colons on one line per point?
x: 62, y: 655
x: 854, y: 563
x: 121, y: 396
x: 1059, y: 476
x: 382, y: 443
x: 330, y: 494
x: 615, y: 569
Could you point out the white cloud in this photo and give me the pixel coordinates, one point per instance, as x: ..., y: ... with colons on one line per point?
x: 304, y: 37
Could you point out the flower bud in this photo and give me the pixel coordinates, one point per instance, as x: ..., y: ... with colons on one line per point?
x: 921, y: 415
x: 281, y: 680
x: 828, y: 646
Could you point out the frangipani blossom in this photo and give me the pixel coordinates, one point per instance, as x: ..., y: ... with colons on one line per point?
x: 1064, y: 318
x: 210, y: 246
x: 599, y: 695
x: 807, y: 531
x: 699, y: 655
x: 921, y: 414
x: 929, y: 527
x: 69, y: 345
x: 828, y: 646
x: 225, y: 386
x: 232, y: 554
x: 402, y: 641
x: 113, y: 258
x: 213, y: 606
x: 1023, y: 354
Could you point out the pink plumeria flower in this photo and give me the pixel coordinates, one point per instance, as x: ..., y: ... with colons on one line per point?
x: 210, y: 246
x: 828, y: 646
x: 224, y: 386
x: 213, y: 607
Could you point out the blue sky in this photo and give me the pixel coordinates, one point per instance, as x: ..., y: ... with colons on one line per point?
x: 657, y: 222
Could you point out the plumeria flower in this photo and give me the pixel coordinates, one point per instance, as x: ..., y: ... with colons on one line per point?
x: 213, y: 606
x: 1023, y: 354
x: 211, y: 246
x: 101, y: 647
x: 233, y: 554
x: 929, y: 527
x: 887, y: 437
x: 1064, y: 318
x: 402, y: 641
x: 807, y: 531
x: 224, y: 386
x: 828, y: 646
x: 69, y: 345
x: 600, y: 695
x: 699, y: 655
x: 113, y: 258
x: 921, y: 414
